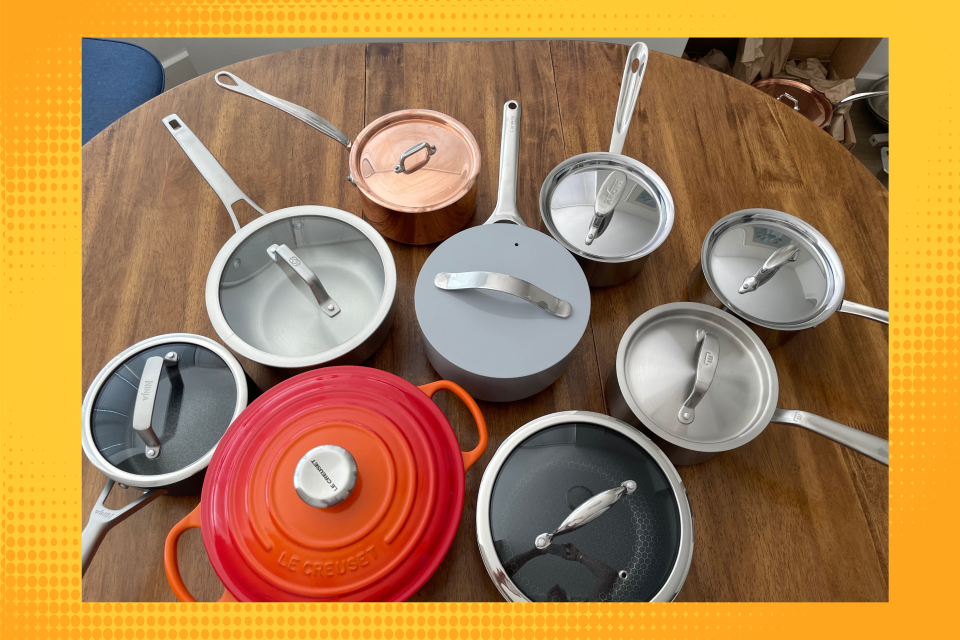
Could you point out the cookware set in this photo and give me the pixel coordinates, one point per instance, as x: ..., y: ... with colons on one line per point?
x: 347, y: 483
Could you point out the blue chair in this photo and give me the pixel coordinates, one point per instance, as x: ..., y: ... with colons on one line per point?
x: 117, y: 78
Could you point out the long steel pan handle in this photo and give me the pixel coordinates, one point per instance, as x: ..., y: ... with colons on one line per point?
x: 629, y: 90
x: 506, y: 209
x: 868, y: 444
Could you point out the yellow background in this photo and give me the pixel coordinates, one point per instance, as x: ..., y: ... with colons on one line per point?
x: 40, y: 301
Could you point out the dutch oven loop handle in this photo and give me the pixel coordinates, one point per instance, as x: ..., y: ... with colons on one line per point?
x: 469, y: 457
x: 170, y: 565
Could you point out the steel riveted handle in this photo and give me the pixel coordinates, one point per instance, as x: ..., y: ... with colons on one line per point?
x: 327, y: 304
x: 469, y: 457
x: 708, y: 357
x: 608, y: 197
x: 103, y: 519
x: 587, y: 512
x: 862, y: 310
x: 147, y: 397
x: 629, y: 90
x: 506, y: 284
x: 211, y: 170
x: 796, y: 103
x: 869, y: 445
x: 415, y: 149
x: 506, y: 210
x: 295, y: 110
x: 768, y: 269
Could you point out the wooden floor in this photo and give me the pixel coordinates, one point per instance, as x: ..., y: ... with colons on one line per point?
x: 788, y: 517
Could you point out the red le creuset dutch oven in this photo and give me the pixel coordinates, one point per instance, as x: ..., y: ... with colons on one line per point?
x: 343, y: 483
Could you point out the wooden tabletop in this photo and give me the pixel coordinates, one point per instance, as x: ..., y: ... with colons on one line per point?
x: 790, y: 516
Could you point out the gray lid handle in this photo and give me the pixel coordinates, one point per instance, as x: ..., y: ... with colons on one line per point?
x: 506, y: 209
x: 629, y: 90
x: 587, y: 512
x: 417, y: 148
x: 211, y: 170
x: 869, y: 445
x: 102, y: 520
x: 777, y: 259
x: 608, y: 197
x: 147, y: 397
x: 862, y: 310
x: 507, y: 284
x: 295, y: 110
x: 708, y: 357
x: 327, y: 304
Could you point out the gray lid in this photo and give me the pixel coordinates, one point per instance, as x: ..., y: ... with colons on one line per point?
x: 661, y: 364
x: 627, y: 204
x: 773, y: 269
x: 492, y: 333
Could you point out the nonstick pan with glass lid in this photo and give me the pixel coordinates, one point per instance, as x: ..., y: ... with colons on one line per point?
x: 297, y: 288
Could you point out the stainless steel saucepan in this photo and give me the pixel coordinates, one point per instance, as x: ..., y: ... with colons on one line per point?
x: 610, y: 211
x: 775, y: 272
x: 698, y: 381
x: 502, y: 306
x: 300, y: 287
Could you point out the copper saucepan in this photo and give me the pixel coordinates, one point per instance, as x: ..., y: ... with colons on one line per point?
x: 806, y: 100
x: 417, y: 169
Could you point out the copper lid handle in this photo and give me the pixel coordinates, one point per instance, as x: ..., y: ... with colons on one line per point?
x: 415, y: 149
x: 796, y: 103
x: 629, y: 90
x: 298, y: 112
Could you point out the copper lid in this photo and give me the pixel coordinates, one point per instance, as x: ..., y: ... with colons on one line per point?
x: 812, y: 104
x: 415, y: 160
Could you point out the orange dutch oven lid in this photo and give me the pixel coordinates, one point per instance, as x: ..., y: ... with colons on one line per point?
x: 344, y: 483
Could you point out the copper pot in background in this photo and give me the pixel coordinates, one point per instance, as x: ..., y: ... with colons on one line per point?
x: 810, y: 103
x: 417, y: 169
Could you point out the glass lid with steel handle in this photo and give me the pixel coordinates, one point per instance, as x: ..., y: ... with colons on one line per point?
x: 603, y: 205
x: 408, y: 160
x: 293, y: 284
x: 682, y: 351
x: 777, y: 271
x: 578, y: 506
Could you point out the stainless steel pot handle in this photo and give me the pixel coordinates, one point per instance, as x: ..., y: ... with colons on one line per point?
x: 211, y: 170
x: 872, y: 313
x: 147, y: 397
x: 777, y: 259
x: 796, y: 103
x: 859, y: 441
x: 587, y: 512
x: 327, y: 304
x: 608, y: 197
x: 862, y: 96
x: 417, y: 148
x: 298, y: 112
x: 629, y: 90
x: 506, y: 284
x: 102, y: 520
x: 506, y: 209
x: 708, y: 357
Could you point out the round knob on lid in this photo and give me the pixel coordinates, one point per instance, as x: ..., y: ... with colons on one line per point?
x: 325, y: 476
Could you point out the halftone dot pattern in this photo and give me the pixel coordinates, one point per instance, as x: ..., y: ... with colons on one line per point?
x: 40, y: 300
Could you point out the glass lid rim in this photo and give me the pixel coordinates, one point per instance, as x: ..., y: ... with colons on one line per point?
x: 814, y: 239
x: 398, y: 117
x: 143, y: 481
x: 740, y: 439
x: 582, y: 163
x: 491, y: 561
x: 225, y: 255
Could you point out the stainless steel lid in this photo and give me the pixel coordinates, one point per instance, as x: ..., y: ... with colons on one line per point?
x: 300, y: 286
x: 697, y: 376
x: 773, y: 269
x: 606, y: 207
x: 578, y: 506
x: 155, y: 413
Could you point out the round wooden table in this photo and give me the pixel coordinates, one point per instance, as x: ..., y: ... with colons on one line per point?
x: 791, y: 516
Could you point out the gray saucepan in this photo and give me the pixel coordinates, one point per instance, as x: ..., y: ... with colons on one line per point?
x: 609, y: 210
x: 698, y: 381
x: 501, y: 306
x: 300, y: 287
